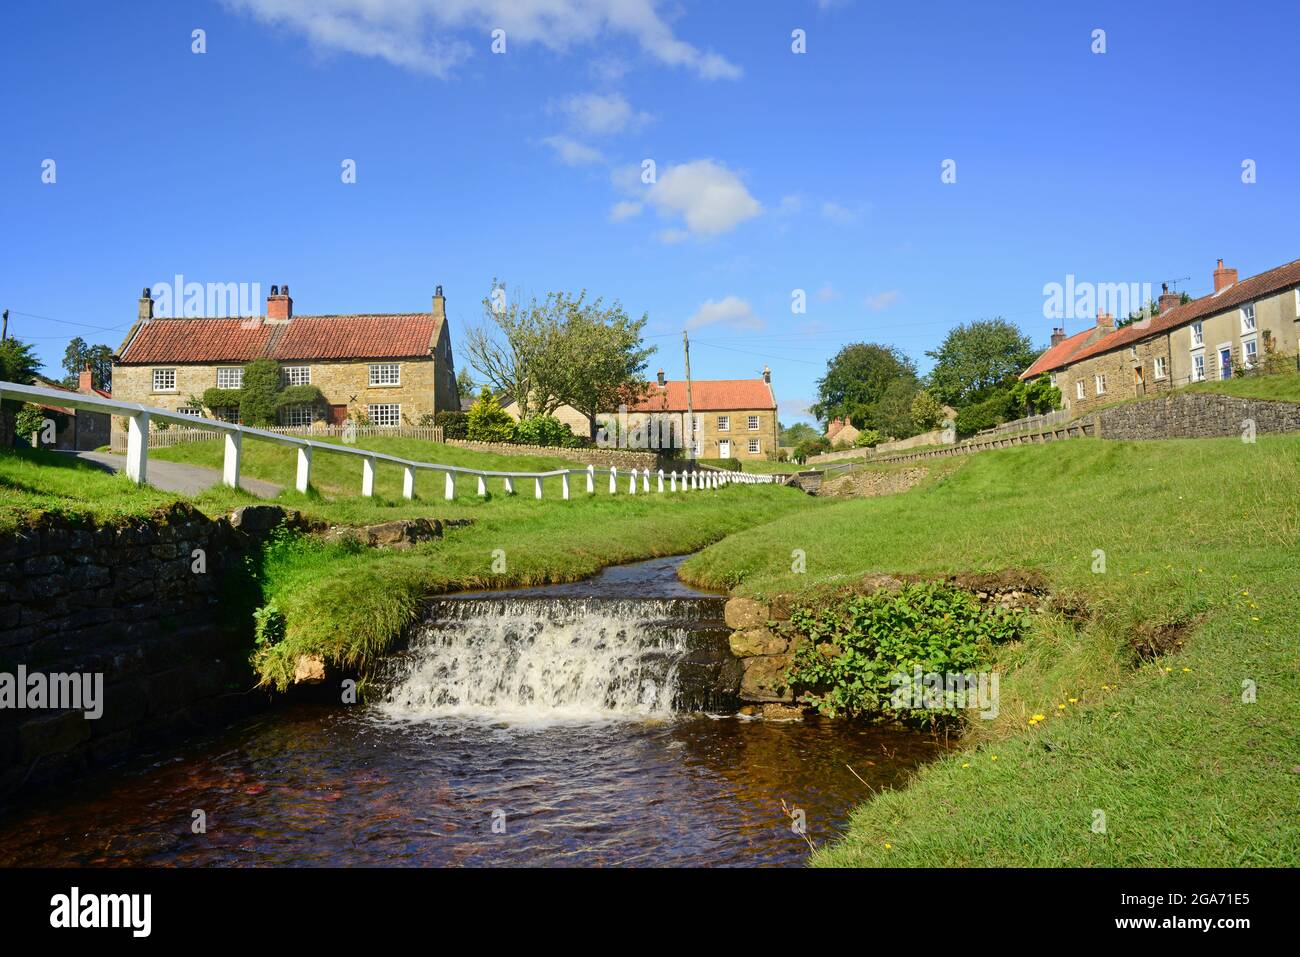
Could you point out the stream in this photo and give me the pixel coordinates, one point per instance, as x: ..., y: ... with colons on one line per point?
x: 563, y: 725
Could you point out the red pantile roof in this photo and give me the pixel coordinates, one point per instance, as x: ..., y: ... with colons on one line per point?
x: 1059, y: 354
x: 302, y: 337
x: 1266, y: 283
x: 707, y: 395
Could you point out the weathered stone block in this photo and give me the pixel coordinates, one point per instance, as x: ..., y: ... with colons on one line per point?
x: 764, y: 679
x: 742, y: 613
x: 756, y: 641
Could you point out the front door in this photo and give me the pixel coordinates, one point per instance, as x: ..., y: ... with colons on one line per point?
x: 338, y: 414
x: 1225, y: 363
x: 724, y: 449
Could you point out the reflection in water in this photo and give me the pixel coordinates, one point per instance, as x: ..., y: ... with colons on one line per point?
x: 312, y: 785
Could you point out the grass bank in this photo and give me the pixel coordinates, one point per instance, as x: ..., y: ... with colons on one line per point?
x: 1185, y: 769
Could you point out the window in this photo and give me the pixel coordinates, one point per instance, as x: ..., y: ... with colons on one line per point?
x: 385, y: 373
x: 1297, y: 303
x: 724, y: 423
x: 164, y: 380
x: 388, y: 414
x: 753, y: 423
x: 1161, y: 369
x: 193, y: 410
x: 753, y: 446
x: 1198, y: 335
x: 695, y: 424
x: 230, y: 414
x: 1248, y: 317
x: 230, y: 378
x: 1198, y: 368
x: 301, y: 375
x: 1052, y: 378
x: 1078, y: 389
x: 1249, y: 352
x: 1099, y: 383
x: 297, y: 416
x: 1133, y: 353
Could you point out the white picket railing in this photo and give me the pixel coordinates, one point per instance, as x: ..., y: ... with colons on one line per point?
x: 138, y: 417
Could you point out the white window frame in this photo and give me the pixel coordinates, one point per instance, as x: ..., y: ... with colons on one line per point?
x: 1250, y: 357
x: 1248, y: 322
x: 724, y: 423
x: 296, y: 375
x: 1051, y: 377
x: 1198, y: 367
x: 193, y: 410
x: 371, y: 413
x: 1162, y: 368
x: 1099, y: 383
x: 227, y: 372
x: 1297, y: 303
x: 1198, y: 335
x: 164, y: 372
x: 753, y: 423
x: 754, y: 447
x: 385, y: 374
x: 298, y: 416
x: 1079, y: 390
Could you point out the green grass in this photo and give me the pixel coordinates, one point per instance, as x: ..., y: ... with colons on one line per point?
x: 1204, y: 533
x: 1284, y: 387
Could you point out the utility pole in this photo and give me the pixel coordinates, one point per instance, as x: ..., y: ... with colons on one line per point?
x: 4, y: 331
x: 690, y: 405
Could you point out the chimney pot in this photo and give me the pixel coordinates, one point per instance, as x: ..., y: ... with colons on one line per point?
x: 1224, y: 277
x: 145, y: 313
x: 279, y: 307
x: 661, y: 378
x: 86, y: 380
x: 767, y: 374
x: 1105, y: 320
x: 1058, y: 336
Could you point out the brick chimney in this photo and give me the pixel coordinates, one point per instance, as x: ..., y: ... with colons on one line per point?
x: 767, y: 375
x: 439, y: 305
x: 1105, y: 321
x: 1224, y: 277
x: 279, y: 307
x: 1169, y: 300
x: 661, y: 378
x: 1058, y: 336
x: 146, y: 305
x: 86, y: 380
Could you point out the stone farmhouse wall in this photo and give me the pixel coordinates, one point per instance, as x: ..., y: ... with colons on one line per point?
x: 1196, y: 415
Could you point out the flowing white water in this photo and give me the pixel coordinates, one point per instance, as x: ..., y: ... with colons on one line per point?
x: 542, y: 661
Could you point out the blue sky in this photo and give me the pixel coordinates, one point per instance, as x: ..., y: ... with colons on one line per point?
x: 775, y: 171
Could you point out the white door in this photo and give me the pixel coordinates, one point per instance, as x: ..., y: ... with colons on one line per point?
x: 724, y: 449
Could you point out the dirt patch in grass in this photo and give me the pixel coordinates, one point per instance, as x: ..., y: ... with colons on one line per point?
x: 871, y: 483
x: 1154, y: 640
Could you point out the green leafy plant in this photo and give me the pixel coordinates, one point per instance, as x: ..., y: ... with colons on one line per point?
x: 848, y: 655
x: 455, y: 425
x: 488, y: 422
x: 257, y: 402
x: 543, y: 430
x: 867, y: 438
x: 268, y: 626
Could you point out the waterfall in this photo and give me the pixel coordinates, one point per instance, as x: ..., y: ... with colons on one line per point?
x: 538, y: 660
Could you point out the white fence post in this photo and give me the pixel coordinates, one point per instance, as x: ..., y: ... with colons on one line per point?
x: 303, y: 481
x: 137, y: 447
x: 591, y: 480
x: 613, y: 480
x: 537, y: 488
x: 408, y: 482
x: 661, y: 480
x: 510, y: 485
x: 449, y: 486
x: 564, y: 486
x: 230, y: 461
x: 673, y: 480
x: 482, y: 487
x: 631, y: 485
x: 367, y: 477
x: 645, y: 480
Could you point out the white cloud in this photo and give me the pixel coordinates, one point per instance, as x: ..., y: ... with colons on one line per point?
x: 884, y: 300
x: 571, y: 152
x: 826, y: 293
x: 624, y: 210
x: 790, y: 205
x: 413, y: 34
x: 732, y: 311
x: 710, y: 198
x: 601, y: 115
x: 841, y: 215
x: 795, y: 409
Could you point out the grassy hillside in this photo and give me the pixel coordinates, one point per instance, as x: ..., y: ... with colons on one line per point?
x: 1280, y: 388
x: 1203, y: 535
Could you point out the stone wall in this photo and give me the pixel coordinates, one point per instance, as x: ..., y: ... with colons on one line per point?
x: 1196, y: 415
x: 134, y: 603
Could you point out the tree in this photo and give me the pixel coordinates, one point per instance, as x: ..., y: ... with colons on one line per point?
x: 927, y: 412
x: 602, y: 357
x: 18, y: 363
x: 858, y: 376
x: 515, y: 348
x: 257, y: 401
x: 465, y: 383
x: 487, y: 421
x: 799, y: 432
x: 891, y: 413
x: 100, y: 359
x: 976, y: 358
x: 1034, y: 397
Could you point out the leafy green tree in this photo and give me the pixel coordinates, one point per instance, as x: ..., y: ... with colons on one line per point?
x: 891, y: 413
x: 799, y: 432
x: 465, y: 383
x: 100, y: 359
x: 487, y: 421
x: 927, y: 412
x: 18, y: 363
x: 543, y: 430
x: 257, y: 401
x: 857, y: 378
x: 1034, y: 397
x: 868, y: 438
x: 602, y: 357
x: 976, y: 358
x: 814, y: 446
x: 516, y: 348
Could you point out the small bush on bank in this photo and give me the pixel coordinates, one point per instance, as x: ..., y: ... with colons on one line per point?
x: 544, y: 430
x: 487, y: 421
x: 850, y: 655
x: 455, y: 425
